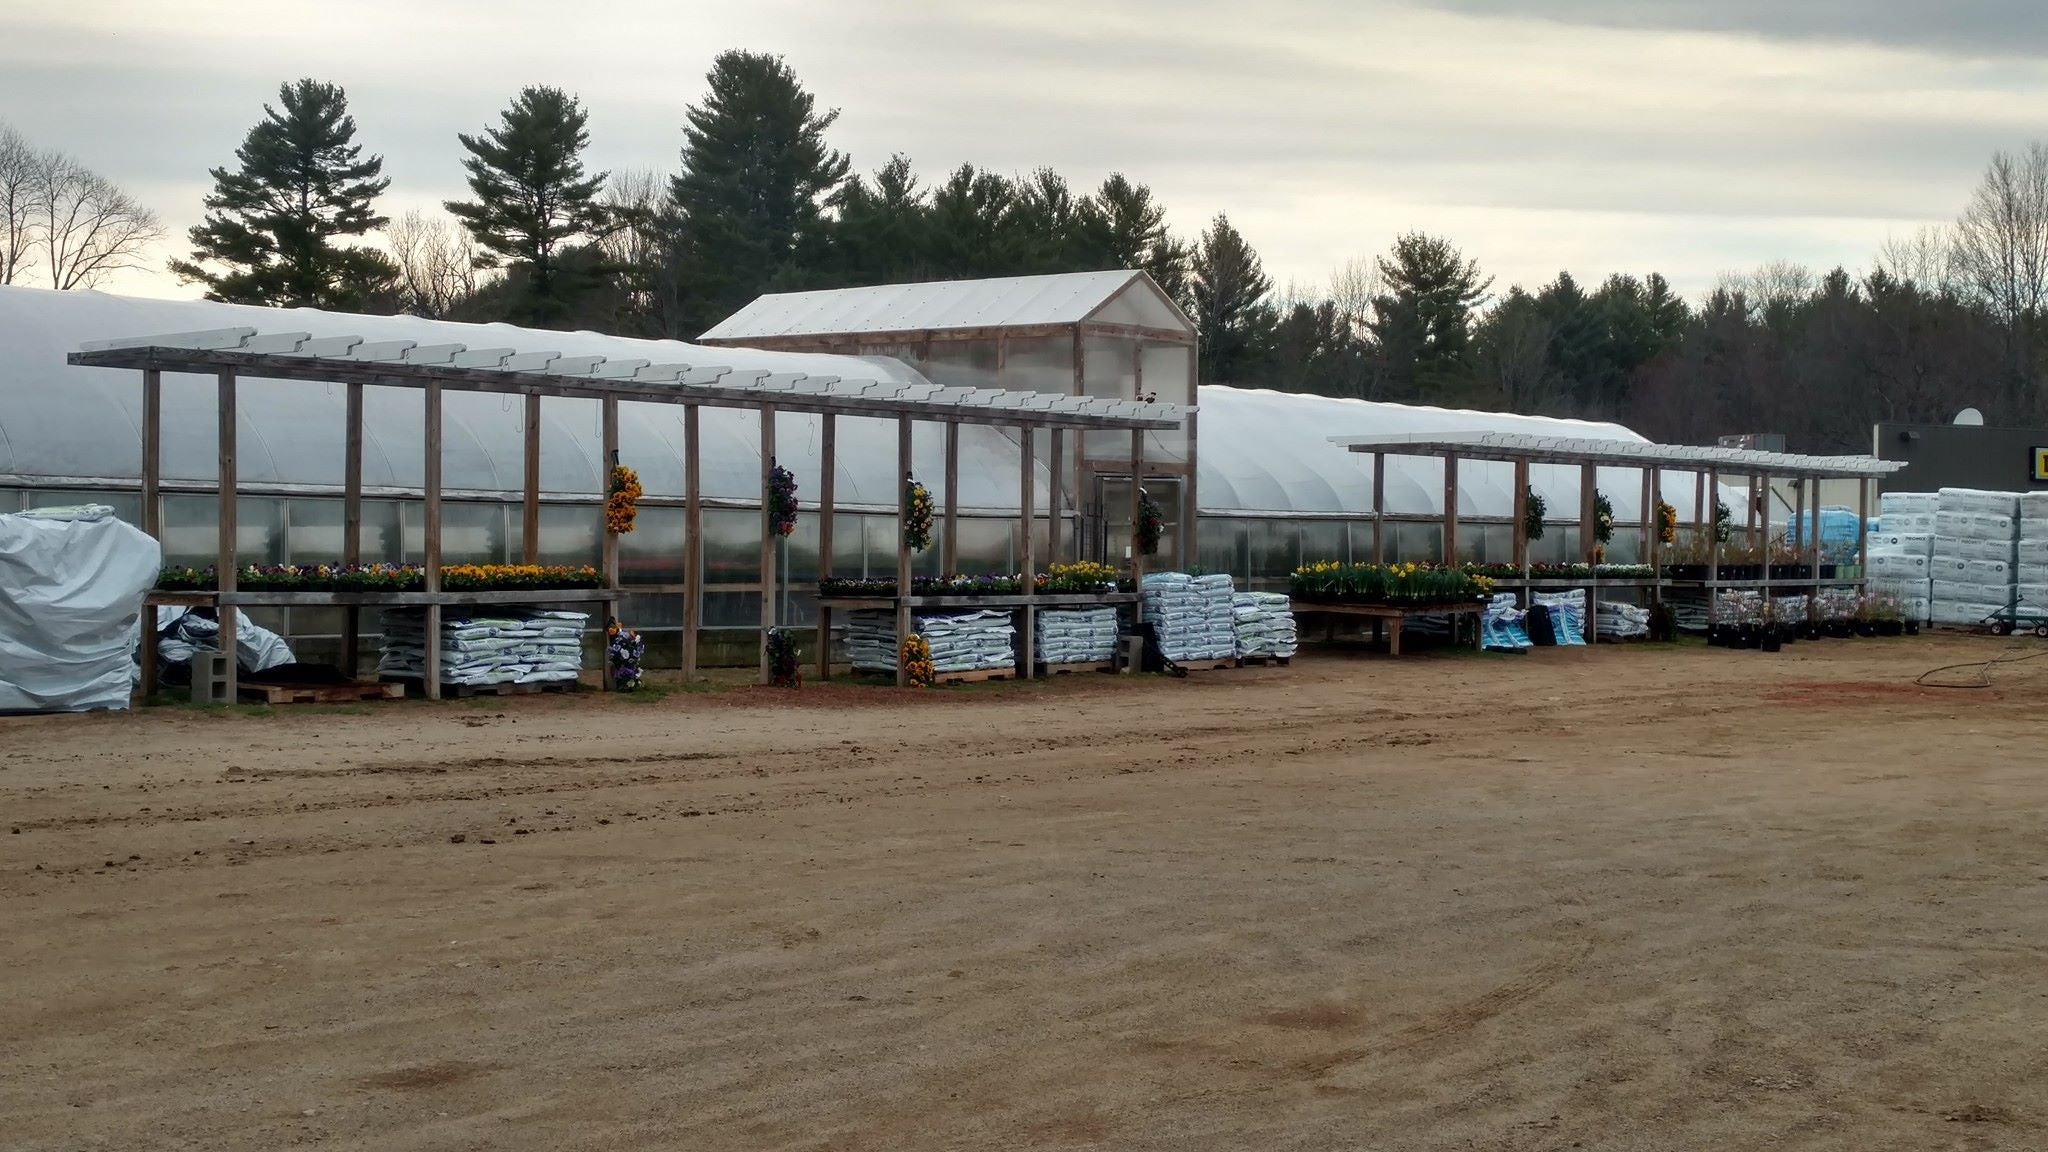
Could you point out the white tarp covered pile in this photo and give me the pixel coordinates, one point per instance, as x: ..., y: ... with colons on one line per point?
x: 960, y: 642
x: 181, y: 633
x: 1902, y: 551
x: 488, y: 646
x: 1076, y: 635
x: 1623, y: 621
x: 1971, y: 572
x: 2030, y: 558
x: 71, y: 587
x: 1192, y: 615
x: 1264, y: 623
x: 1567, y: 614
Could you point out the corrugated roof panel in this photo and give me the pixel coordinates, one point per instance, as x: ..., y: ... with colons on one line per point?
x: 1012, y: 301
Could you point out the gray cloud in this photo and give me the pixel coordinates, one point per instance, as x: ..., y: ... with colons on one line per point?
x: 1966, y: 27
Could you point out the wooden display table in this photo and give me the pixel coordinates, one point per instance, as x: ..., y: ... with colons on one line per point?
x: 1382, y: 615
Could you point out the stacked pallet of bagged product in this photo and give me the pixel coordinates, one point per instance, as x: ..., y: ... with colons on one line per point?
x: 2030, y: 555
x: 1264, y: 623
x: 499, y: 646
x: 1567, y: 614
x: 1076, y: 635
x: 1975, y: 539
x: 1191, y: 615
x: 1902, y: 551
x: 1619, y: 621
x: 1502, y: 627
x: 960, y: 641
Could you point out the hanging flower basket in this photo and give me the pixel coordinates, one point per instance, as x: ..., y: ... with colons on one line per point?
x: 783, y: 669
x: 623, y: 651
x: 1603, y: 518
x: 1724, y: 522
x: 782, y: 505
x: 1667, y: 523
x: 1533, y: 509
x: 622, y: 500
x: 917, y: 661
x: 1151, y: 525
x: 917, y: 515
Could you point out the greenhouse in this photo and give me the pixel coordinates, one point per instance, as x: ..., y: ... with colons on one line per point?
x: 1270, y: 490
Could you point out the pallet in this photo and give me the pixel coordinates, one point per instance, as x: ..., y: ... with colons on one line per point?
x: 1069, y: 669
x: 1205, y: 665
x: 317, y: 693
x: 1263, y: 661
x: 466, y: 691
x: 977, y: 677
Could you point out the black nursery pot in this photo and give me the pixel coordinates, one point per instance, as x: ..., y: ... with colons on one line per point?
x: 1912, y: 627
x: 1769, y: 640
x: 1890, y: 627
x: 1840, y: 629
x: 1746, y: 637
x: 1865, y: 628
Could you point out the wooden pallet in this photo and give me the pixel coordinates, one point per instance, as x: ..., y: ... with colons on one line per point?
x: 465, y: 691
x: 1206, y: 665
x: 317, y: 693
x: 1068, y: 669
x: 1262, y: 661
x: 977, y: 677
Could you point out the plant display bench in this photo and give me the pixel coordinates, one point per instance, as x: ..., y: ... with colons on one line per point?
x: 1389, y: 618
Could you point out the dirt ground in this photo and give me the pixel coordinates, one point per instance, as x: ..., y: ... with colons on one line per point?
x: 1624, y: 899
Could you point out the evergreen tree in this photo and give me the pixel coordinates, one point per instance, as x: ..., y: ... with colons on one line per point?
x: 1232, y: 318
x: 1123, y: 226
x: 884, y: 231
x: 967, y: 224
x: 1043, y: 230
x: 749, y: 201
x: 1422, y: 321
x: 271, y: 227
x: 532, y: 198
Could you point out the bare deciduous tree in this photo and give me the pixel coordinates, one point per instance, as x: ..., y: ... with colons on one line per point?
x: 88, y: 228
x: 1926, y: 259
x: 2002, y: 249
x: 436, y: 264
x: 17, y: 202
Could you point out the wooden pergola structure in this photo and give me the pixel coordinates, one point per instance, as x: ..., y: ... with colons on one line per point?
x: 1707, y: 466
x: 233, y: 354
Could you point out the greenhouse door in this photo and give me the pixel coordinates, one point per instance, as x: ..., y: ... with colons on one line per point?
x: 1108, y: 532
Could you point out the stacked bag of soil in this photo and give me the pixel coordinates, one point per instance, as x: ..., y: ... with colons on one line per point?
x: 1264, y: 624
x: 1567, y: 615
x: 501, y: 646
x: 1624, y: 621
x: 960, y: 642
x: 2030, y: 559
x: 1976, y: 535
x: 1192, y: 616
x: 1076, y: 636
x: 1902, y: 551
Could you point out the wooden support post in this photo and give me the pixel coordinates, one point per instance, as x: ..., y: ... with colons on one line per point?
x: 1027, y: 485
x: 1519, y: 556
x: 1589, y: 544
x: 225, y: 563
x: 1703, y: 502
x: 1862, y: 532
x: 529, y: 523
x: 1055, y: 504
x: 152, y: 511
x: 903, y: 548
x: 769, y: 601
x: 432, y: 544
x: 608, y: 410
x: 1649, y: 511
x: 352, y: 526
x: 1712, y: 480
x: 1137, y: 486
x: 1450, y: 511
x: 1379, y: 508
x: 693, y: 541
x: 1191, y: 508
x: 1749, y: 516
x: 949, y: 547
x: 1654, y: 542
x: 828, y: 475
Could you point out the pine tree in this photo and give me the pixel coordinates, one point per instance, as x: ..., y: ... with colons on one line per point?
x: 1232, y: 318
x: 1422, y: 322
x: 271, y: 227
x: 532, y: 198
x: 883, y: 235
x: 749, y: 202
x: 967, y: 229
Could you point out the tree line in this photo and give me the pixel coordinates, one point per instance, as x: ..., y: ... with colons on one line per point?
x: 761, y: 202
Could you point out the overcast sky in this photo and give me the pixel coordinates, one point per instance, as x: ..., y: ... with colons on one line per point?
x: 1691, y: 137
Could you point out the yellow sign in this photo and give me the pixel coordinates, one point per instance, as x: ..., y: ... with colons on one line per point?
x: 2041, y: 465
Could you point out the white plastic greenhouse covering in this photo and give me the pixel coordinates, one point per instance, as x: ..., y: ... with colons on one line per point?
x: 1259, y: 451
x: 1119, y: 297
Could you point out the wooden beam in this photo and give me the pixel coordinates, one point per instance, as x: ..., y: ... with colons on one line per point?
x: 1056, y: 498
x: 152, y: 511
x: 1862, y: 532
x: 1450, y: 511
x: 1137, y: 486
x: 432, y: 543
x: 902, y: 549
x: 352, y: 525
x: 812, y: 342
x: 693, y: 541
x: 1191, y: 508
x: 1379, y: 508
x: 529, y: 524
x: 1518, y: 553
x: 949, y: 548
x: 225, y: 562
x: 1712, y: 480
x: 608, y: 431
x: 828, y: 483
x: 1589, y: 543
x: 770, y: 602
x: 1027, y: 494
